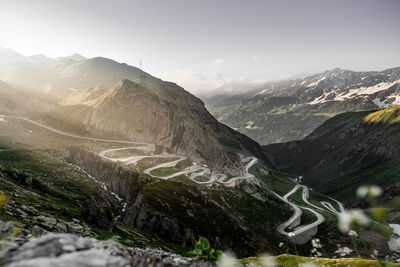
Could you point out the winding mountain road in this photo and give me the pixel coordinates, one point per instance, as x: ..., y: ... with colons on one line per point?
x: 303, y: 233
x: 296, y: 231
x: 219, y: 177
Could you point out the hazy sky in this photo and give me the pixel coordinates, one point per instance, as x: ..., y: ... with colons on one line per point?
x: 205, y: 43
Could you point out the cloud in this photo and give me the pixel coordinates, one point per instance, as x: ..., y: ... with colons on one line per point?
x: 219, y: 61
x: 216, y: 76
x: 47, y: 88
x: 209, y: 82
x: 235, y: 60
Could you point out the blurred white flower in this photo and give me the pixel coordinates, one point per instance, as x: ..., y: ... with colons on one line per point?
x: 347, y: 218
x: 281, y: 244
x: 316, y: 243
x: 268, y: 261
x: 290, y: 234
x: 353, y: 233
x: 343, y: 251
x: 362, y: 191
x: 375, y: 191
x: 372, y: 191
x: 227, y: 260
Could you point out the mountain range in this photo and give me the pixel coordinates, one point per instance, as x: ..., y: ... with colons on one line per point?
x: 97, y: 148
x: 291, y: 109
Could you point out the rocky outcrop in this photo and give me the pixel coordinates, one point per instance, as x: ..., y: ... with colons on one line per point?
x: 60, y: 226
x: 64, y: 250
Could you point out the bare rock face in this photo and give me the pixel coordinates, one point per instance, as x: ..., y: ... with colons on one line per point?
x: 150, y: 221
x: 163, y: 114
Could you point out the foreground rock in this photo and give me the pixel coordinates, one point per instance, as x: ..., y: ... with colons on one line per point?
x: 65, y: 250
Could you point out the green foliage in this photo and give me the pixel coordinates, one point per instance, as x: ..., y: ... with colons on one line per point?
x: 202, y: 245
x: 214, y: 255
x: 3, y: 199
x: 203, y: 248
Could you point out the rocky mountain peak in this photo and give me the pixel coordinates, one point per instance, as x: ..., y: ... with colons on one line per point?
x: 76, y: 57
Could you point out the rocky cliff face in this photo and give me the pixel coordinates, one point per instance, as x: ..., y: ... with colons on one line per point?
x: 164, y: 115
x: 180, y: 213
x: 345, y: 152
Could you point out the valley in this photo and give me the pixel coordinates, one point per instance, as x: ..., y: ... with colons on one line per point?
x: 146, y: 165
x: 263, y: 193
x: 215, y: 177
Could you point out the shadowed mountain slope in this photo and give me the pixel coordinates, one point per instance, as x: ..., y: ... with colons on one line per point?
x: 347, y: 151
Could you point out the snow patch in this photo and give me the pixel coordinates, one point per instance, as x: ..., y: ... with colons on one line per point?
x: 262, y: 92
x: 380, y: 104
x: 322, y: 98
x: 367, y: 90
x: 389, y: 101
x: 363, y: 92
x: 316, y: 82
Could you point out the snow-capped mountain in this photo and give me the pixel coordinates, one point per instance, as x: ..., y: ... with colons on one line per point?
x: 340, y: 85
x: 289, y: 110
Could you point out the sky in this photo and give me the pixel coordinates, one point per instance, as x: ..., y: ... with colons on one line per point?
x: 206, y: 44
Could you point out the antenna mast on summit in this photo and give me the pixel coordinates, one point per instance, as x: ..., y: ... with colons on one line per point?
x: 142, y: 76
